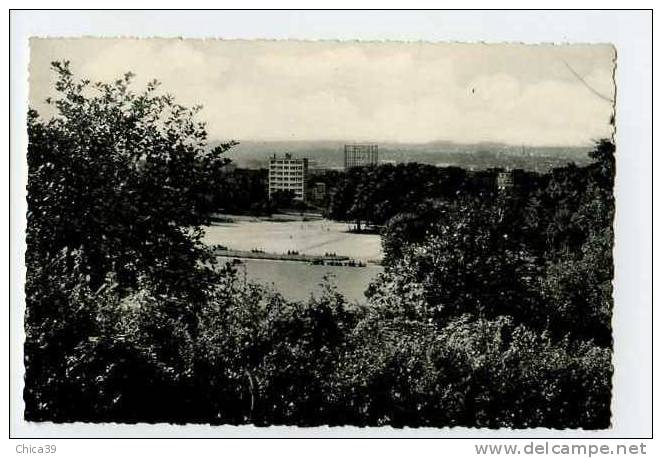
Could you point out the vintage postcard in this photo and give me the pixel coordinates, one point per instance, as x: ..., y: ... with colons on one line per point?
x: 320, y: 233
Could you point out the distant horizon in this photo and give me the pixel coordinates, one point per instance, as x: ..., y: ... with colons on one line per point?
x: 412, y: 143
x: 329, y: 154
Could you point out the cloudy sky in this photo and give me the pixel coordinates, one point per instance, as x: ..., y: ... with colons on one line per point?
x: 351, y: 91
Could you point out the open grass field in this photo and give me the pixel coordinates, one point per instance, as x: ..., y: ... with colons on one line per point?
x: 315, y: 237
x: 298, y: 280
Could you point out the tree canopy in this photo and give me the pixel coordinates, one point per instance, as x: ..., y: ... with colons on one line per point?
x: 122, y: 176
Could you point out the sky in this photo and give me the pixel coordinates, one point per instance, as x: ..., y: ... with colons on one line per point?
x: 416, y: 92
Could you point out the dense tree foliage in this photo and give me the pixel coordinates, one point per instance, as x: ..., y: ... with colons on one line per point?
x: 494, y: 308
x: 245, y: 191
x: 374, y: 195
x: 471, y: 372
x: 242, y: 191
x: 540, y: 253
x: 119, y: 184
x: 121, y: 176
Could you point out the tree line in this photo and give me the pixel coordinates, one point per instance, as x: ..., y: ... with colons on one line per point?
x: 373, y: 195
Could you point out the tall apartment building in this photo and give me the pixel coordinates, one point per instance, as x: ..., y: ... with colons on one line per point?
x: 288, y: 174
x: 361, y: 155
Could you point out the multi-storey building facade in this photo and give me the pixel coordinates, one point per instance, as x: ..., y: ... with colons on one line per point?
x: 288, y: 174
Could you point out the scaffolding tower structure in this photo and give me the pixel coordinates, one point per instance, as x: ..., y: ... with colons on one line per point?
x: 361, y: 155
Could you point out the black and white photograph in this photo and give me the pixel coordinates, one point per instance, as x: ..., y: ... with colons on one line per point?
x: 321, y: 233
